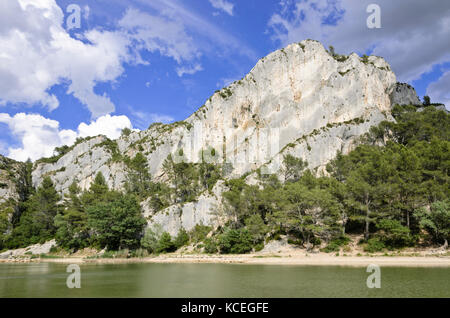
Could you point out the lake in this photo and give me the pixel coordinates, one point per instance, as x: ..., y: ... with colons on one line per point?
x: 219, y: 280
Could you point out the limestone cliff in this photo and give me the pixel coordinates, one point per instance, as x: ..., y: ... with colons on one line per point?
x: 300, y: 100
x: 8, y: 172
x: 404, y: 94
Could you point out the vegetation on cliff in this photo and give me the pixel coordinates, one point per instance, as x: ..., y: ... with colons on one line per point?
x: 393, y: 188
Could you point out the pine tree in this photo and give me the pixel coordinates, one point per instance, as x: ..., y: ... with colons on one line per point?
x: 139, y: 178
x: 72, y: 231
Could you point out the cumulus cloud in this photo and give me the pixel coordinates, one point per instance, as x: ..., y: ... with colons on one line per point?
x: 190, y: 70
x: 37, y: 53
x: 38, y: 136
x: 223, y: 5
x: 439, y: 91
x: 414, y: 34
x: 110, y: 126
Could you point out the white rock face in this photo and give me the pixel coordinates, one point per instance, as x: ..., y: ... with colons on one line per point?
x: 206, y: 211
x: 298, y: 100
x: 404, y: 94
x: 8, y: 170
x: 82, y: 163
x: 287, y: 96
x: 291, y: 94
x: 36, y: 249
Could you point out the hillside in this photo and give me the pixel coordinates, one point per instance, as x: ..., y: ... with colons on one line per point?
x: 298, y: 107
x: 299, y: 100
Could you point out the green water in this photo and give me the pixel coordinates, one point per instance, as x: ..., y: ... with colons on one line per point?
x: 218, y: 280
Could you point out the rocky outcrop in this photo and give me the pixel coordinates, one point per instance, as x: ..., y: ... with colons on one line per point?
x: 289, y: 95
x: 8, y: 171
x: 36, y: 249
x: 82, y: 163
x: 404, y: 94
x: 206, y: 210
x: 300, y: 100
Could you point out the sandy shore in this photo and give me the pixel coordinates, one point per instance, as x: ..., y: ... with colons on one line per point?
x: 319, y: 259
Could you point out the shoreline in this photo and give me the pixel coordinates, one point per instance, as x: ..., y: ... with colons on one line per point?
x: 256, y: 259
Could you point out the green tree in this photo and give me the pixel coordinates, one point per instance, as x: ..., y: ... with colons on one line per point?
x: 151, y: 238
x: 293, y: 168
x: 256, y: 227
x: 117, y: 224
x: 98, y: 192
x: 6, y: 211
x: 183, y: 178
x: 72, y: 230
x: 235, y: 241
x: 393, y: 234
x: 310, y: 213
x: 181, y: 239
x: 24, y: 187
x: 166, y: 245
x: 139, y: 178
x: 37, y: 222
x: 436, y: 221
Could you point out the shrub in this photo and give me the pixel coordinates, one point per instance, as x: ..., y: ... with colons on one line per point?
x: 374, y: 245
x: 165, y: 244
x: 182, y: 238
x: 126, y: 132
x: 436, y: 221
x: 259, y: 247
x: 210, y: 246
x: 336, y: 244
x: 235, y: 242
x: 151, y: 239
x: 199, y: 233
x: 140, y: 253
x: 393, y: 234
x: 124, y: 253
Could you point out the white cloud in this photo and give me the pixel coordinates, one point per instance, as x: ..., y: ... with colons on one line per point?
x: 439, y: 91
x: 37, y: 53
x: 211, y: 38
x: 110, y: 126
x: 3, y: 147
x: 223, y: 5
x: 414, y: 35
x: 159, y: 33
x: 39, y: 136
x: 190, y: 70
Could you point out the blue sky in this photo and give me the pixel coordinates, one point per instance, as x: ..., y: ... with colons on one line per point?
x: 131, y: 63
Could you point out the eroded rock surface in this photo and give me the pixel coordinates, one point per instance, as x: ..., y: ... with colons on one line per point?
x: 299, y: 100
x: 404, y: 94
